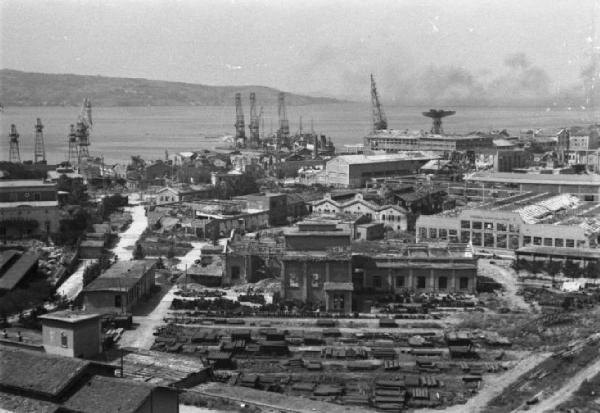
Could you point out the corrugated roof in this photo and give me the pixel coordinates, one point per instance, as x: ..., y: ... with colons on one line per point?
x: 557, y: 179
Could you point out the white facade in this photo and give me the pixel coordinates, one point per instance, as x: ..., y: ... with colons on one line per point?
x: 391, y: 216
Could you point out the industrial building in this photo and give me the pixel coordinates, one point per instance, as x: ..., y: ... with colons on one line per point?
x: 517, y: 221
x: 312, y: 272
x: 392, y: 140
x: 28, y: 207
x: 585, y: 186
x: 120, y: 288
x: 419, y: 267
x: 356, y: 170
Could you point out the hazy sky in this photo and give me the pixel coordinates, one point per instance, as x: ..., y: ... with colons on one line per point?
x: 456, y: 50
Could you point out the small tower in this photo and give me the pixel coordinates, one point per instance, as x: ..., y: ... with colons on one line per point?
x: 39, y: 153
x: 73, y: 152
x: 14, y: 155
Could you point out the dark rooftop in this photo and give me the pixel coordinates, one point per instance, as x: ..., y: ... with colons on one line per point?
x: 17, y: 271
x: 109, y: 395
x: 39, y: 373
x: 121, y: 275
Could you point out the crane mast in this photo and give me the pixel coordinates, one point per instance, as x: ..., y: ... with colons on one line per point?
x: 254, y: 122
x: 379, y: 119
x: 73, y: 147
x: 14, y: 155
x: 283, y: 133
x: 240, y: 128
x: 39, y: 152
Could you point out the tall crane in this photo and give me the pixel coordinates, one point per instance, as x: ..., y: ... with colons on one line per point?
x: 73, y: 147
x: 283, y: 133
x: 82, y: 129
x: 13, y: 153
x: 254, y: 122
x: 379, y: 119
x: 240, y: 128
x: 39, y: 152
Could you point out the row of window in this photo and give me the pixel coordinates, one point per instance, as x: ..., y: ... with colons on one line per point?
x: 294, y: 280
x: 442, y: 282
x: 28, y: 196
x: 489, y: 226
x: 552, y: 242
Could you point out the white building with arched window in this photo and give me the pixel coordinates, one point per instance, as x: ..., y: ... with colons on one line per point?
x: 391, y: 216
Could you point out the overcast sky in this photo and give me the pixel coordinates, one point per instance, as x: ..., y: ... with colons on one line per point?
x: 457, y: 50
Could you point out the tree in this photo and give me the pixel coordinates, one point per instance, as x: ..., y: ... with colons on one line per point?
x: 138, y: 252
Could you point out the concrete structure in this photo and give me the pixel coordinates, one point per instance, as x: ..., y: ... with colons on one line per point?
x: 28, y: 208
x: 275, y: 204
x: 356, y: 170
x: 420, y: 267
x: 391, y: 216
x: 508, y: 160
x: 71, y: 333
x: 581, y: 256
x: 586, y: 187
x: 119, y: 288
x: 392, y: 141
x: 217, y: 218
x: 313, y: 270
x: 370, y: 231
x: 517, y: 221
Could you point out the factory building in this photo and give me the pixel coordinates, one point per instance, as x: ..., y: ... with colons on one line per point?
x: 514, y: 222
x: 28, y: 207
x: 587, y: 187
x: 356, y: 170
x: 416, y: 267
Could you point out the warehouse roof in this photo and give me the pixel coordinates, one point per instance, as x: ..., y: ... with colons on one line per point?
x: 368, y: 159
x: 565, y: 252
x: 121, y: 275
x: 517, y: 178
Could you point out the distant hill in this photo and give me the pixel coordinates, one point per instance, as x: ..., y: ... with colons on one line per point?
x: 42, y: 89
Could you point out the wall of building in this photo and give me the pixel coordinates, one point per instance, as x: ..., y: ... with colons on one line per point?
x: 305, y: 242
x: 507, y: 160
x: 47, y: 218
x: 497, y: 229
x: 82, y: 339
x: 28, y: 192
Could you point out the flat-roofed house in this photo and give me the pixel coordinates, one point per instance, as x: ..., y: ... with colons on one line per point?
x: 71, y: 333
x: 120, y: 287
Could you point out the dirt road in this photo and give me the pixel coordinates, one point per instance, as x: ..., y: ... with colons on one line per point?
x: 508, y: 278
x: 493, y: 385
x: 148, y: 316
x: 563, y: 394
